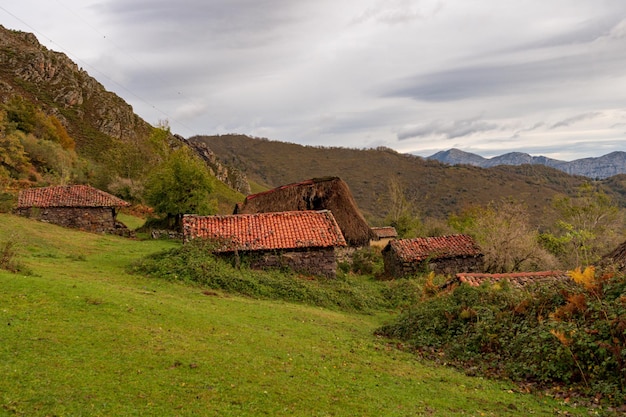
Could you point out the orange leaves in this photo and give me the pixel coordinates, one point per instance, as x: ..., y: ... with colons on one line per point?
x: 586, y: 278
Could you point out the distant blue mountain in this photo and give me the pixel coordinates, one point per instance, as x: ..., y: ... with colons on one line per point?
x: 605, y: 166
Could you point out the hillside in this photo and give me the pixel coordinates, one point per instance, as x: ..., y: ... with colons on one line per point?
x: 82, y: 336
x: 111, y: 139
x: 437, y: 189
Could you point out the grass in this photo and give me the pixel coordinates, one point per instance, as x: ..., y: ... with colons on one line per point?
x: 79, y: 336
x: 132, y: 222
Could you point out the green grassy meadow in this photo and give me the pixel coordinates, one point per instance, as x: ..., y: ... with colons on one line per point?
x: 80, y: 336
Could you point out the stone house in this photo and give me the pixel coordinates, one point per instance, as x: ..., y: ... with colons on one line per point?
x: 77, y: 206
x: 382, y: 236
x: 305, y: 241
x: 446, y: 255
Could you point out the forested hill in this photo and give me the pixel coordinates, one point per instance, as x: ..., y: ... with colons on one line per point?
x: 436, y: 189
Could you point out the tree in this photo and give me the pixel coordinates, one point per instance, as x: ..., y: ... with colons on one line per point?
x: 506, y: 238
x: 180, y: 185
x: 589, y: 226
x: 402, y: 215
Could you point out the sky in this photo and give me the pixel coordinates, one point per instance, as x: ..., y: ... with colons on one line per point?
x: 545, y: 77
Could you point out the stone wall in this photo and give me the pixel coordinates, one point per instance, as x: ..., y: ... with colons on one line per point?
x: 395, y: 267
x: 313, y: 261
x: 90, y: 219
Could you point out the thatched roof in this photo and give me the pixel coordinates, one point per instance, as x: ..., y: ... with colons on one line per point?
x: 330, y: 193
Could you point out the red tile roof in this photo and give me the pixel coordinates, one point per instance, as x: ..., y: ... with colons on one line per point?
x: 67, y: 196
x: 385, y: 232
x: 421, y: 248
x: 517, y: 279
x: 265, y: 231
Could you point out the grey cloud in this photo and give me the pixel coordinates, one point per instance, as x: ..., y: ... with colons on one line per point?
x: 575, y: 119
x: 236, y: 23
x: 499, y: 79
x: 519, y: 132
x: 450, y: 130
x: 583, y: 33
x: 397, y: 12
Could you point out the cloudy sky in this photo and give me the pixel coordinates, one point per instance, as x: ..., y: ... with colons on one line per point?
x: 546, y: 77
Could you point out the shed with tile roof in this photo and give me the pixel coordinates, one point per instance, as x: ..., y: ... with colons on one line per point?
x: 77, y: 206
x: 442, y: 254
x: 304, y: 241
x: 383, y: 235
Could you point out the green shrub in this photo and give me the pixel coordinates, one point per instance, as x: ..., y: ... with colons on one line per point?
x: 570, y: 333
x: 9, y: 251
x: 367, y: 261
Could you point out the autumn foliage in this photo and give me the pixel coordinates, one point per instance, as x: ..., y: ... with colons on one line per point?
x: 565, y: 337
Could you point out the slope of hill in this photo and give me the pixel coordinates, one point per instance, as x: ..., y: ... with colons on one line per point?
x: 80, y: 336
x: 437, y: 189
x: 604, y: 166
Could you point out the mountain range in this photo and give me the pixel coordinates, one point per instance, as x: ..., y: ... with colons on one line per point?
x: 601, y: 167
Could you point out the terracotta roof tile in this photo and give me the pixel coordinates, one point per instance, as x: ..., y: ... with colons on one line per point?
x: 385, y: 232
x: 421, y: 248
x: 517, y: 279
x: 265, y: 231
x: 68, y: 196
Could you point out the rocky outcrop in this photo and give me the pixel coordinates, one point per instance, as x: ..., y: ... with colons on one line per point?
x: 230, y: 176
x: 94, y: 117
x: 61, y: 88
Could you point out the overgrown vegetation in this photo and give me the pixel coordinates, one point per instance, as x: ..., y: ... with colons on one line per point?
x: 588, y: 226
x: 567, y: 337
x: 8, y: 255
x: 194, y: 263
x: 584, y: 229
x: 35, y: 148
x: 506, y: 237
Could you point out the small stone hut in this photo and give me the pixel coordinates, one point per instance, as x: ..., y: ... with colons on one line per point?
x: 77, y: 206
x: 328, y: 193
x: 304, y: 241
x: 442, y: 254
x: 383, y: 235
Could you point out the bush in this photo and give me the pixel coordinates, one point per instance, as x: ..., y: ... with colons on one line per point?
x: 367, y: 261
x: 570, y: 333
x: 9, y: 251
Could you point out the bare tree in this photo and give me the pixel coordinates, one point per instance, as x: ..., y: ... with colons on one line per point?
x: 508, y: 241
